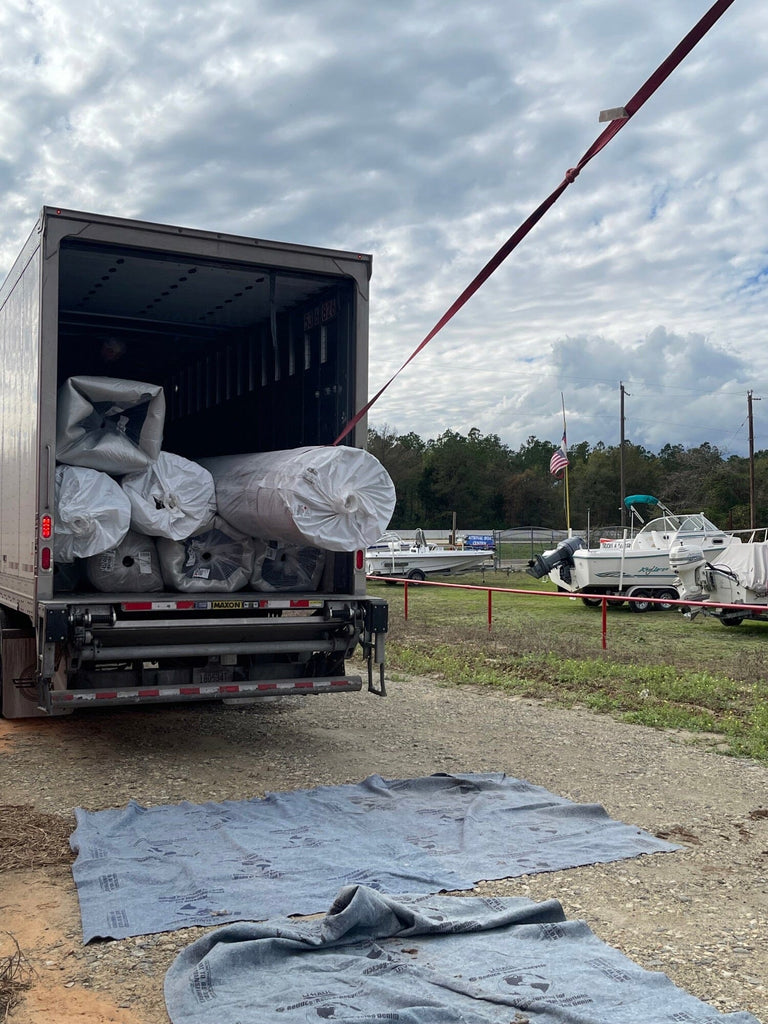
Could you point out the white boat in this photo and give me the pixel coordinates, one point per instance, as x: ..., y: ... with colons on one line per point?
x: 417, y: 559
x: 736, y: 576
x: 635, y: 566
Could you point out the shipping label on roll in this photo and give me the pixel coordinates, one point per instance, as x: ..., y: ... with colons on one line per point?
x: 107, y: 561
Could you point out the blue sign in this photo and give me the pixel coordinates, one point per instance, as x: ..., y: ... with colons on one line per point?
x: 479, y: 541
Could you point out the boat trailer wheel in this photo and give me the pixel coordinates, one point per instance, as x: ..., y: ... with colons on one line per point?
x: 666, y: 595
x: 732, y: 620
x: 640, y: 605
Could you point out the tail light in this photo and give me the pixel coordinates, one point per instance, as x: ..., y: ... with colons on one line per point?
x: 46, y: 532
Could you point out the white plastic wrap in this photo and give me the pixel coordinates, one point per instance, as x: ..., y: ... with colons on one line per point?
x: 132, y: 566
x: 91, y: 513
x: 217, y: 558
x: 338, y: 499
x: 280, y: 566
x: 172, y: 498
x: 109, y: 424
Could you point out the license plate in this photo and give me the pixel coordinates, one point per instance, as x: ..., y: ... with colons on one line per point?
x: 212, y: 675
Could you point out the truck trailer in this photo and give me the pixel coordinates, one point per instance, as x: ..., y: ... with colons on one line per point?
x: 259, y: 346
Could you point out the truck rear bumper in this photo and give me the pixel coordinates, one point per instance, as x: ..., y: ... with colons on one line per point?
x: 79, y: 699
x: 91, y: 653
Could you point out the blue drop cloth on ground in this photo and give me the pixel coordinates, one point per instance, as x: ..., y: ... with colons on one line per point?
x: 422, y: 960
x: 142, y: 870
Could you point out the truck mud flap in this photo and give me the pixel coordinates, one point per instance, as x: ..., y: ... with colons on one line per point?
x: 204, y: 691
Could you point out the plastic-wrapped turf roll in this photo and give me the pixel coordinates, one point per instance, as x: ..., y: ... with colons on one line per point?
x: 279, y: 566
x: 132, y: 566
x: 92, y: 513
x: 338, y: 499
x: 109, y: 424
x: 172, y: 498
x: 217, y: 558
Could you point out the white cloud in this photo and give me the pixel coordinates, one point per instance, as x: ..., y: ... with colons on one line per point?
x: 425, y: 132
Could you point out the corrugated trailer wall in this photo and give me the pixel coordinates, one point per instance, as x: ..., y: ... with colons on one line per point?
x: 258, y: 390
x: 19, y: 372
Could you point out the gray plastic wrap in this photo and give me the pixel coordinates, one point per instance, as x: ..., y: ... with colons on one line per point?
x: 339, y: 499
x: 280, y: 566
x: 217, y: 558
x: 132, y: 566
x: 91, y: 513
x: 172, y: 498
x: 109, y: 424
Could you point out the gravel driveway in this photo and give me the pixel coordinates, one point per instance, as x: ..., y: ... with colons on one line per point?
x: 700, y: 915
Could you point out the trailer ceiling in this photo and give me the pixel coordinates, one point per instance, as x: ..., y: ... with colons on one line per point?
x: 96, y: 283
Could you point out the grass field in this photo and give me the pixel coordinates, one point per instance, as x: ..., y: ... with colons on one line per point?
x: 660, y: 669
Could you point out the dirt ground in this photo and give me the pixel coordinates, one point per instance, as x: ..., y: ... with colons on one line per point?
x: 700, y: 915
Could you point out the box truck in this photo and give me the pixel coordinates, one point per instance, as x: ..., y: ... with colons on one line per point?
x: 259, y: 346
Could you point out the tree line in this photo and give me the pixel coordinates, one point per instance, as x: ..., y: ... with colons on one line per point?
x: 489, y: 485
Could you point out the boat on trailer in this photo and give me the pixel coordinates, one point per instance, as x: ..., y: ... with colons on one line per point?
x: 417, y: 559
x: 637, y: 565
x: 737, y: 576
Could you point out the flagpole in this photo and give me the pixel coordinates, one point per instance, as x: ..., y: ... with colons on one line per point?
x: 567, y: 494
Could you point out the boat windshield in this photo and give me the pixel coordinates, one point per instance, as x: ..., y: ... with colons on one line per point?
x: 691, y: 524
x: 697, y: 524
x: 664, y: 524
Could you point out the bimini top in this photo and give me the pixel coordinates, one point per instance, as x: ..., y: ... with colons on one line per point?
x: 641, y: 499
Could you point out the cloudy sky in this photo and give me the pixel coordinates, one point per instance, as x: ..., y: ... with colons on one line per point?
x: 424, y: 132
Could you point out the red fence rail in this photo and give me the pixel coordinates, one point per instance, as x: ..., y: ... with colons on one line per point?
x: 603, y: 598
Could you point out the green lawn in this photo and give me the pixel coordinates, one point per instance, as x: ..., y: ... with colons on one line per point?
x: 659, y: 669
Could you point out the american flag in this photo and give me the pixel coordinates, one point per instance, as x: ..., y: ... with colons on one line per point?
x: 559, y: 459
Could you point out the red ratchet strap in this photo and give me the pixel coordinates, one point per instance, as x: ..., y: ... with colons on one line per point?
x: 645, y: 91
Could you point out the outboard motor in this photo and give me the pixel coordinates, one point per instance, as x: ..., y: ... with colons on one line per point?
x: 688, y: 563
x: 542, y: 565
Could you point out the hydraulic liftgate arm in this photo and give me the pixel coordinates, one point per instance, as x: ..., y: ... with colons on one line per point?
x: 375, y: 625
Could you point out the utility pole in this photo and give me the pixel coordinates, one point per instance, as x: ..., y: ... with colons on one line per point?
x: 621, y: 457
x: 750, y: 400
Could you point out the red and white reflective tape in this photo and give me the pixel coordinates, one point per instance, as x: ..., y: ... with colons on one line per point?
x: 219, y: 604
x: 131, y: 695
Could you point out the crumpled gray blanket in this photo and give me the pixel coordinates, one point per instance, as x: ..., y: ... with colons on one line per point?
x: 411, y: 959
